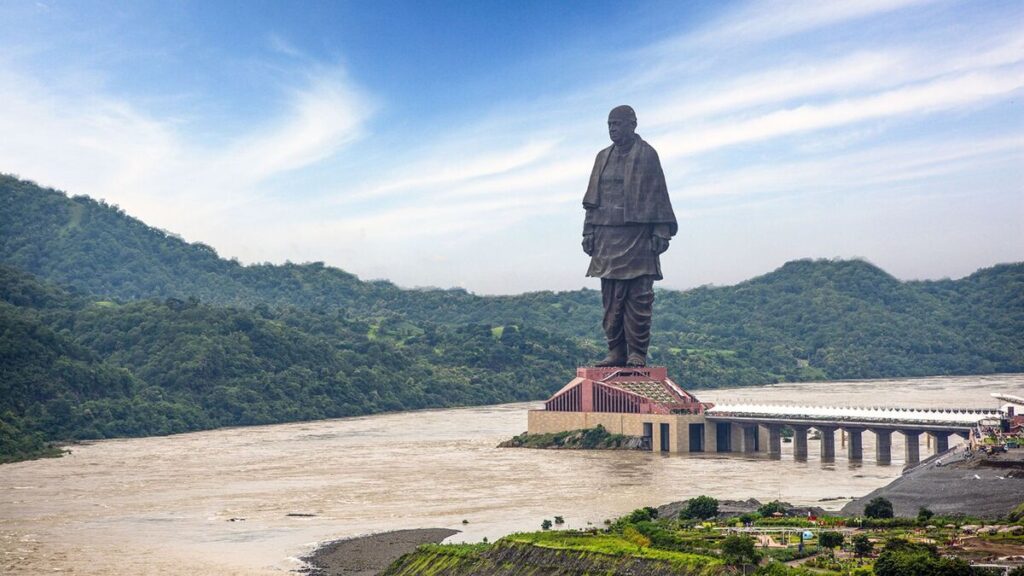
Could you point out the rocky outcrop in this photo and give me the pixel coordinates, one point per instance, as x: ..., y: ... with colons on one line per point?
x: 587, y: 439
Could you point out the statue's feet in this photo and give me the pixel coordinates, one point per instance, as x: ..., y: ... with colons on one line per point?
x: 611, y: 359
x: 636, y: 361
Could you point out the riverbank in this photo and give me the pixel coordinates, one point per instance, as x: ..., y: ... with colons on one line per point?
x: 369, y: 555
x: 953, y: 483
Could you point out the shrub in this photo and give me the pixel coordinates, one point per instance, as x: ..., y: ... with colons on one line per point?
x: 901, y: 558
x: 1017, y: 514
x: 878, y: 508
x: 633, y: 536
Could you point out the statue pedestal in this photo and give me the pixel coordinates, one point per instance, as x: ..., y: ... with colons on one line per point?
x: 642, y: 402
x: 644, y: 390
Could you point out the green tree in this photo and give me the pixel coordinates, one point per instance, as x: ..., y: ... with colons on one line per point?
x: 830, y: 540
x: 738, y: 550
x: 644, y: 514
x: 924, y: 515
x: 545, y: 525
x: 773, y: 507
x: 878, y: 508
x: 862, y: 545
x: 700, y: 508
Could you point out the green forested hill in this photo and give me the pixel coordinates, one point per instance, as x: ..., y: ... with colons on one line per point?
x: 111, y: 327
x: 74, y: 367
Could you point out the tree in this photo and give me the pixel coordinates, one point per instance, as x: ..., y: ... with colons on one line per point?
x: 545, y: 525
x: 700, y: 508
x: 878, y: 508
x: 830, y: 540
x: 773, y: 507
x: 738, y: 550
x: 642, y: 515
x: 924, y: 515
x: 862, y: 545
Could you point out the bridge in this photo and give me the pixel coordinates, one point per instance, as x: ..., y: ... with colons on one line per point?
x: 645, y: 402
x: 939, y: 423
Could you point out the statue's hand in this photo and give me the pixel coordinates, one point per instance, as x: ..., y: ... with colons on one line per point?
x: 588, y: 244
x: 658, y: 244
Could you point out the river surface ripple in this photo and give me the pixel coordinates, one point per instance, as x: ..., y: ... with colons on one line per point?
x: 218, y: 502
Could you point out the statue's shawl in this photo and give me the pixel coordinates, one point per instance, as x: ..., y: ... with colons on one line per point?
x: 647, y: 200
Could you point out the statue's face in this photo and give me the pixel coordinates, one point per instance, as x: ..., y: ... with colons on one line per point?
x: 621, y: 130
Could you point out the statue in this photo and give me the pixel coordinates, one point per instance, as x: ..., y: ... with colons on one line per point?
x: 628, y: 224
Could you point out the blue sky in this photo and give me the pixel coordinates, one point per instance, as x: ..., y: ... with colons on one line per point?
x: 449, y: 143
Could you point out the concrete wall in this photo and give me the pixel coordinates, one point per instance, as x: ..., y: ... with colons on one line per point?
x: 545, y: 422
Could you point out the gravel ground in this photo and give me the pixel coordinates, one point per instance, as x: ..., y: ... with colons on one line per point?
x: 369, y: 555
x: 981, y: 486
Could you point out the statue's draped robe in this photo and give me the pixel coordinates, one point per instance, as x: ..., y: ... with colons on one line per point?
x: 626, y: 203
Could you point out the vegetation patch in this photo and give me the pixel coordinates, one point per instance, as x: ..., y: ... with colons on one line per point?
x: 597, y: 438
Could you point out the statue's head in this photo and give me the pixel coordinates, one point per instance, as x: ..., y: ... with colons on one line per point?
x: 622, y: 124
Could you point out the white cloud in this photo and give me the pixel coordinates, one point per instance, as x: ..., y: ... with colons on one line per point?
x: 103, y: 146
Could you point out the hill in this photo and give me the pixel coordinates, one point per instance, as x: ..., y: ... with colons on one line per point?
x: 111, y: 327
x: 78, y: 368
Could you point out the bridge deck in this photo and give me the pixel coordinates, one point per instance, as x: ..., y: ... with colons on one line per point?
x: 890, y: 417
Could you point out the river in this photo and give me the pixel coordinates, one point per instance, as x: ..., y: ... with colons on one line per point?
x: 252, y: 500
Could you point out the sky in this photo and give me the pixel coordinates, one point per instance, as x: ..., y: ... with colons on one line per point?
x: 449, y: 144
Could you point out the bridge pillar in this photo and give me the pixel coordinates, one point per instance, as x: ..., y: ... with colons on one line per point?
x: 775, y: 440
x: 750, y: 439
x: 854, y: 445
x: 762, y: 438
x: 941, y: 441
x: 710, y: 437
x: 828, y: 443
x: 883, y: 446
x: 800, y: 442
x: 913, y: 446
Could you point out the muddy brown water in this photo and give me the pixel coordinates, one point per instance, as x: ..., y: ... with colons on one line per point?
x: 252, y: 500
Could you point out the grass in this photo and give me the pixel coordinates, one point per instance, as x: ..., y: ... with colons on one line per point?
x: 611, y: 545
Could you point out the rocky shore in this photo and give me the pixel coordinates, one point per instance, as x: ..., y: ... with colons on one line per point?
x: 369, y: 555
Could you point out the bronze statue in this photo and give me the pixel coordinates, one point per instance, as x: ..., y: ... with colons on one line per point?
x: 628, y: 224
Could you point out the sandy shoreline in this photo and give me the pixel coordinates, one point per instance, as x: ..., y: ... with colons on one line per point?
x: 368, y: 555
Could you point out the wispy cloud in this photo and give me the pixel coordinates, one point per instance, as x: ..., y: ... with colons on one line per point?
x: 101, y: 145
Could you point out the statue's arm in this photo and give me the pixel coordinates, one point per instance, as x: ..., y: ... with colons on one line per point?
x: 588, y: 237
x: 660, y: 236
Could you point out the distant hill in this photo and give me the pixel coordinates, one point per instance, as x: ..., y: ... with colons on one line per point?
x: 173, y: 337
